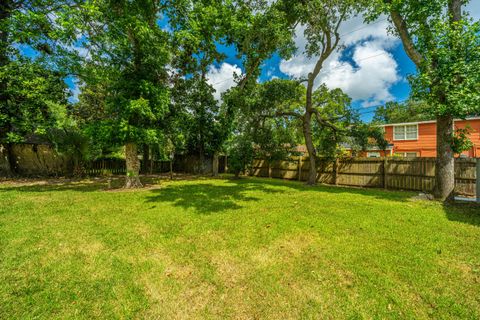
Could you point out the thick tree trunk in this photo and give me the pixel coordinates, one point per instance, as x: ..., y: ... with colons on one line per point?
x: 5, y: 169
x: 133, y: 166
x: 146, y: 158
x: 11, y: 160
x: 444, y: 169
x: 215, y: 164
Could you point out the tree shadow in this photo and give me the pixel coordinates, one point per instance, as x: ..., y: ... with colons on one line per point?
x: 375, y: 193
x: 52, y: 186
x: 208, y: 198
x: 463, y: 212
x: 78, y: 184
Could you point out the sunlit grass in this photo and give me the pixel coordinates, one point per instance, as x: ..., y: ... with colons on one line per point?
x: 249, y: 248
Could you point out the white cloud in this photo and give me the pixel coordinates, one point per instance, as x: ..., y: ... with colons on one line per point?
x: 222, y: 78
x: 374, y: 72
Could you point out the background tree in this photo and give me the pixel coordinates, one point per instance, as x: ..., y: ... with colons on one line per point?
x: 129, y: 52
x: 322, y: 22
x: 31, y: 89
x: 270, y: 137
x: 34, y: 96
x: 397, y: 112
x: 445, y: 47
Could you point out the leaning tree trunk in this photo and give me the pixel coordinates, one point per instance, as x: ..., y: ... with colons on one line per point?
x: 307, y: 132
x: 133, y: 166
x: 445, y: 163
x: 307, y: 128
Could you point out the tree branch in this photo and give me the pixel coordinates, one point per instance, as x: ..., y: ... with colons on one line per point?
x: 407, y: 41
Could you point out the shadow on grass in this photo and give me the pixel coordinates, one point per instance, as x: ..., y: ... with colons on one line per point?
x: 463, y: 212
x: 49, y: 186
x: 207, y: 198
x: 79, y: 185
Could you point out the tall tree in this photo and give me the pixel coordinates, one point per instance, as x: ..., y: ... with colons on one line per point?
x: 322, y: 21
x: 444, y: 44
x: 29, y: 88
x: 129, y: 51
x: 35, y: 96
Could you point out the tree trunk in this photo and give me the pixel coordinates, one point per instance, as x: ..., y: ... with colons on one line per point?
x: 215, y: 164
x: 201, y: 158
x: 445, y: 163
x: 146, y: 158
x: 312, y: 154
x: 133, y: 166
x: 11, y: 160
x: 307, y: 128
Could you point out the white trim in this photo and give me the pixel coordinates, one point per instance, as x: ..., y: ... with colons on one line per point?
x: 374, y: 154
x: 422, y: 122
x: 404, y: 154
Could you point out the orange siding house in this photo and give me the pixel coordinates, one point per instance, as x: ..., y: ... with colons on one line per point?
x: 418, y: 139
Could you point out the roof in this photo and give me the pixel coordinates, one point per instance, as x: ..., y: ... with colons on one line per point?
x: 421, y: 122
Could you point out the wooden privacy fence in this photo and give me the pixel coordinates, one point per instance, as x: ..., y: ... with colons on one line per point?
x: 391, y: 173
x: 117, y: 166
x: 181, y: 163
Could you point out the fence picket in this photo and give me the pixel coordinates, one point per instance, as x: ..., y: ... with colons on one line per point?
x: 392, y: 173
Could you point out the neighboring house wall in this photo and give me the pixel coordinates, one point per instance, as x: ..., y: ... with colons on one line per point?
x: 425, y: 144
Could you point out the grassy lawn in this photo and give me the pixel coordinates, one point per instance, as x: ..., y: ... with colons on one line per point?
x: 243, y: 249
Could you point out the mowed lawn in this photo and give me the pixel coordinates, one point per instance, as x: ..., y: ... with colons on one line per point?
x: 240, y: 249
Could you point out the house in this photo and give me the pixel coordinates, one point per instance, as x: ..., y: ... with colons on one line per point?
x: 418, y: 139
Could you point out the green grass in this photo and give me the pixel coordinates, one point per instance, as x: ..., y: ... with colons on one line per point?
x: 249, y: 248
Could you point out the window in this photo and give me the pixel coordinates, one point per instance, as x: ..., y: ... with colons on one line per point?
x: 406, y: 154
x: 373, y: 154
x: 407, y: 132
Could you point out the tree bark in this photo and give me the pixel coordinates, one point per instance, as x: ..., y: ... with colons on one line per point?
x: 312, y: 154
x: 133, y: 166
x: 11, y: 160
x: 215, y: 164
x: 201, y: 158
x: 445, y: 162
x: 146, y: 158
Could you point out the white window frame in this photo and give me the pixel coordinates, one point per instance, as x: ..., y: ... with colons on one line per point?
x: 404, y: 126
x: 404, y: 154
x: 373, y: 154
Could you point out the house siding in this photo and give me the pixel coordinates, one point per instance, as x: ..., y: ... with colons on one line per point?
x: 425, y: 145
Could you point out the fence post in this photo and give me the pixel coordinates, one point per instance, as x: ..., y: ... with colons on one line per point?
x: 269, y: 169
x: 335, y: 171
x: 299, y: 168
x: 385, y: 172
x: 478, y: 180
